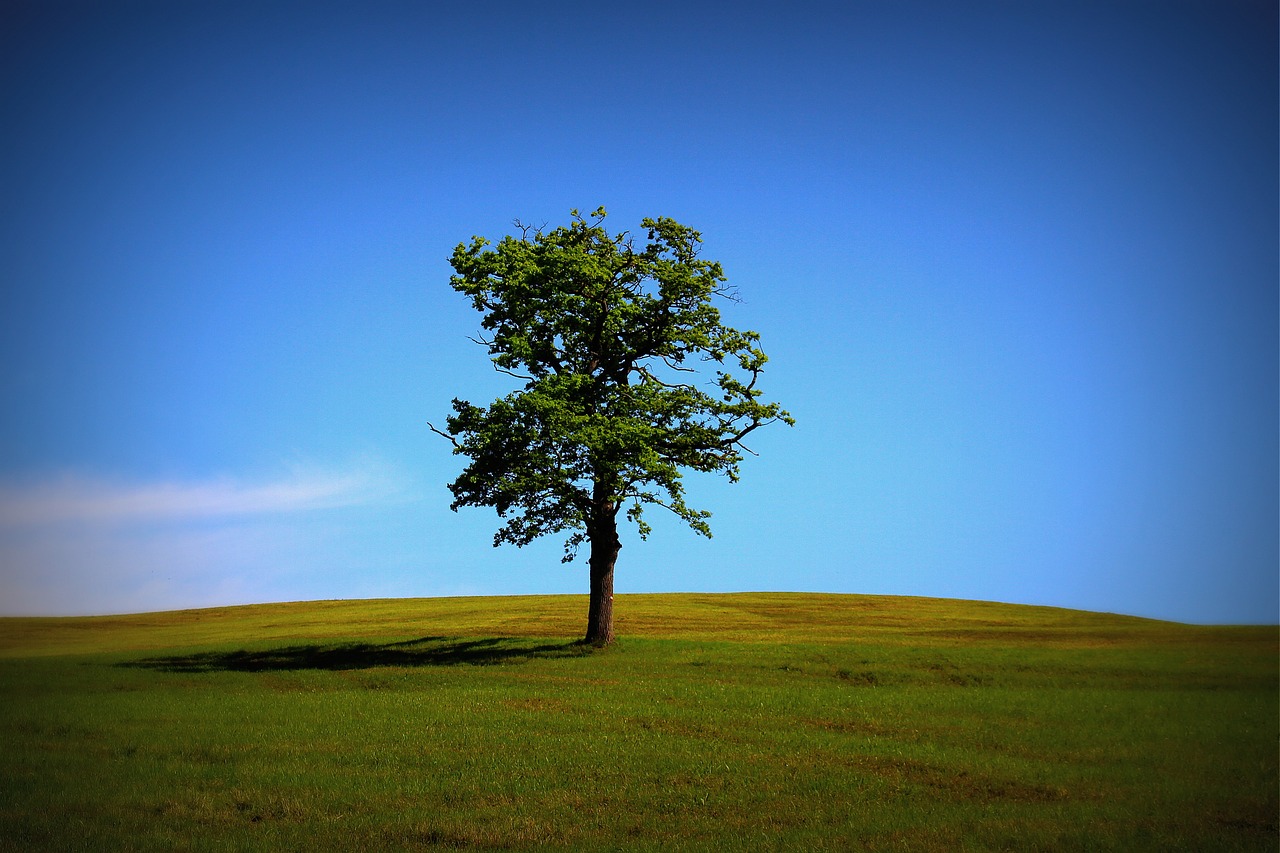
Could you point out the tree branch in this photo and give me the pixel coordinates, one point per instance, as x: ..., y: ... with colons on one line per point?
x: 451, y: 439
x: 667, y: 361
x: 511, y: 372
x: 647, y: 374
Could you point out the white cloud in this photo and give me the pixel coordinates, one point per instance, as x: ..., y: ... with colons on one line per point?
x: 79, y: 545
x: 75, y: 500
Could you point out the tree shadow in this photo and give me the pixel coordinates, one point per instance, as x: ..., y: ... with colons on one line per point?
x: 424, y: 651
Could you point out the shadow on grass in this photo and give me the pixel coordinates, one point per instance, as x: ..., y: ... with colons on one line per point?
x: 424, y: 651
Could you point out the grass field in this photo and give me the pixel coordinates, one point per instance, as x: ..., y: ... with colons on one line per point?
x: 754, y: 721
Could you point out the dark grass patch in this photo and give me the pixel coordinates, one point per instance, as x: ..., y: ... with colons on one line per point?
x: 424, y: 651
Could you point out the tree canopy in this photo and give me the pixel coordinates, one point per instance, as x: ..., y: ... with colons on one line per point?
x: 607, y: 335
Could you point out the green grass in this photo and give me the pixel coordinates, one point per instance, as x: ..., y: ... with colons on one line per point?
x: 762, y: 721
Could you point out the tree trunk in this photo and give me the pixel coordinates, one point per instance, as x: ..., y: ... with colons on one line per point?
x: 604, y: 553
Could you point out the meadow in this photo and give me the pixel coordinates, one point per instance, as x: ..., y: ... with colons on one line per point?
x: 744, y: 721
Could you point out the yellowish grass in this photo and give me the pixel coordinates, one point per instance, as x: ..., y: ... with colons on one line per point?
x: 740, y: 617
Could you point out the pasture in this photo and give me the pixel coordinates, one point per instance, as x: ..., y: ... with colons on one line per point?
x: 732, y: 721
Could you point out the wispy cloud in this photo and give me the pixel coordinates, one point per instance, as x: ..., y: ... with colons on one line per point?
x: 71, y: 500
x: 74, y: 544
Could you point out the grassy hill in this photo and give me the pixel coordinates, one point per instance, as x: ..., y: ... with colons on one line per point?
x: 754, y: 721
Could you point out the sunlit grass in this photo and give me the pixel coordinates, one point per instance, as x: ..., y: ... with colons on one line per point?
x: 740, y: 721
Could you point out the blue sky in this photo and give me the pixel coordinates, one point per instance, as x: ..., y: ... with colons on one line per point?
x: 1015, y: 266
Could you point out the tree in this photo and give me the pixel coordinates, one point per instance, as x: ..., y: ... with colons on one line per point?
x: 605, y: 337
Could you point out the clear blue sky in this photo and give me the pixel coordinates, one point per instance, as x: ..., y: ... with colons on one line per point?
x: 1015, y: 265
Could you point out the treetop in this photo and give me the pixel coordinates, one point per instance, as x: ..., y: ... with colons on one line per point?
x: 607, y: 333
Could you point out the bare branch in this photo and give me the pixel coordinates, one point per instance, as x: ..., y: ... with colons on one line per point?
x: 451, y: 439
x: 736, y: 440
x: 511, y: 373
x: 647, y: 374
x: 525, y: 229
x: 667, y: 361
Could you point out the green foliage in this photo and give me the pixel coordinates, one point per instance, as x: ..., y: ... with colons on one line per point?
x: 606, y: 336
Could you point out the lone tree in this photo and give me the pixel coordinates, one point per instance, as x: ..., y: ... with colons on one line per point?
x: 604, y: 335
